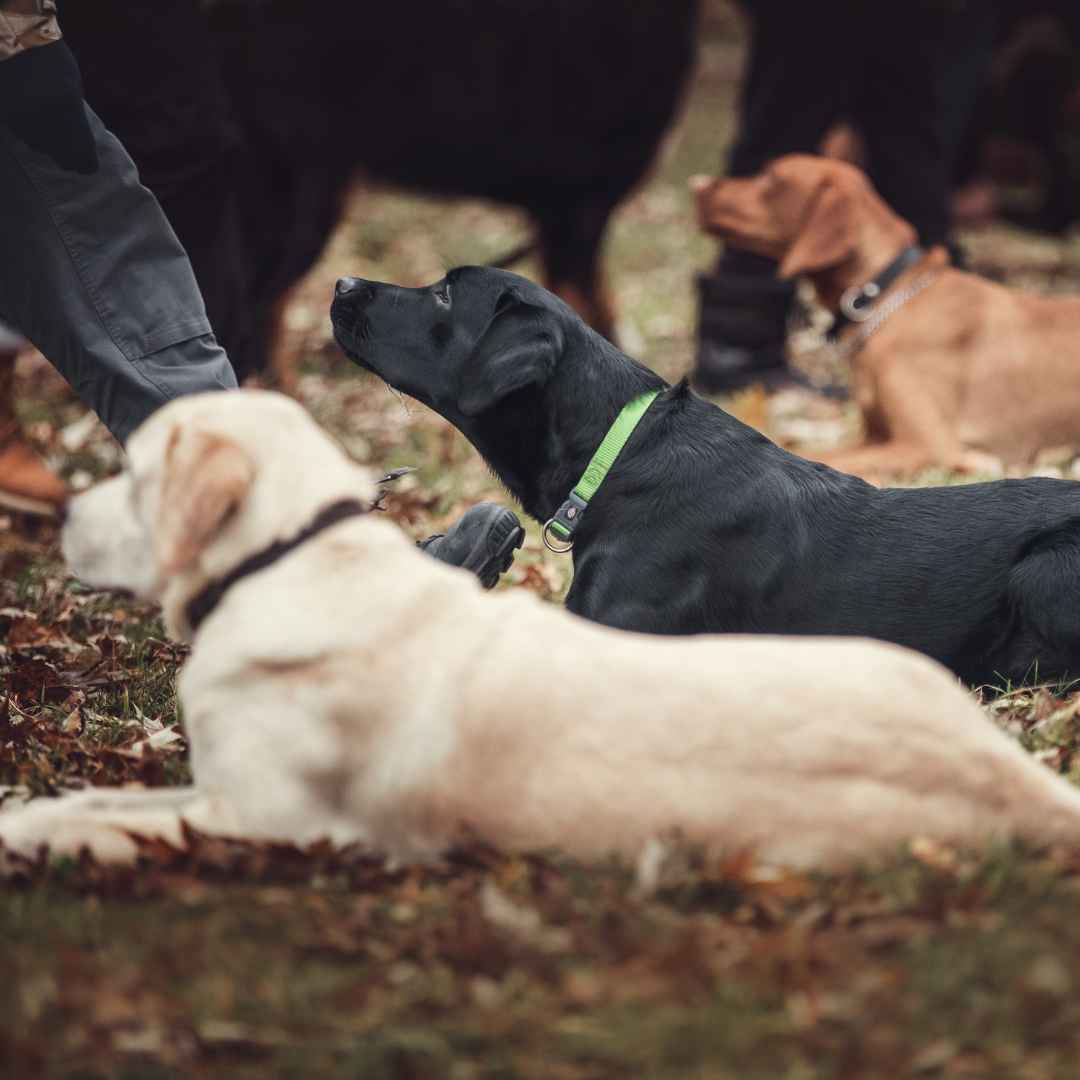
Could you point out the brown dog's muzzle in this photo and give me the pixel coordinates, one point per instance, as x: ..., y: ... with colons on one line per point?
x: 734, y: 209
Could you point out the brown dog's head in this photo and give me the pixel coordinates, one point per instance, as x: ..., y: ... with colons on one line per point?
x: 810, y: 213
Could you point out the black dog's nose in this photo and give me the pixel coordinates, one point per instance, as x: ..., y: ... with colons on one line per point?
x: 354, y: 289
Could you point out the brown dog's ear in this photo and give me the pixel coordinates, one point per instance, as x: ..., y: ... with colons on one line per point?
x: 519, y: 348
x: 827, y: 236
x: 206, y: 478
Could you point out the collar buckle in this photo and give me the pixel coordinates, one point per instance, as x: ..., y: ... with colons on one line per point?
x: 563, y: 523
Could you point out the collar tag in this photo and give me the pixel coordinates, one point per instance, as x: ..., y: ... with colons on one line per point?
x: 564, y: 522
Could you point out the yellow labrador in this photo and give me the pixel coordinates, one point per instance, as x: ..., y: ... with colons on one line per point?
x: 344, y: 685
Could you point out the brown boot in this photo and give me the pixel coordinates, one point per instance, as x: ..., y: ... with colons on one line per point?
x: 26, y: 483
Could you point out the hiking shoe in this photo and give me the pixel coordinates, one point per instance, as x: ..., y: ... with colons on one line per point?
x: 483, y: 541
x: 741, y: 330
x: 726, y: 369
x: 26, y: 483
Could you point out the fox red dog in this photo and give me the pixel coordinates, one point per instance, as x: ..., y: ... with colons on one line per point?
x: 956, y: 371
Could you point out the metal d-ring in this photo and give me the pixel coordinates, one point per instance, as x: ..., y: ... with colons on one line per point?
x: 848, y: 302
x: 549, y: 545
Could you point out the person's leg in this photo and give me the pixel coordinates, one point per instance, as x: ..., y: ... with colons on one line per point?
x: 798, y: 72
x: 100, y: 284
x: 152, y: 73
x: 908, y: 127
x: 797, y: 80
x: 972, y: 35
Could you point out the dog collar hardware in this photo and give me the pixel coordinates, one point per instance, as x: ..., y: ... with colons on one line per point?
x: 210, y: 596
x: 564, y: 522
x: 852, y: 345
x: 857, y: 303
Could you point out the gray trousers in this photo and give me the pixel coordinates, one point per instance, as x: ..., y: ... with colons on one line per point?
x: 92, y: 273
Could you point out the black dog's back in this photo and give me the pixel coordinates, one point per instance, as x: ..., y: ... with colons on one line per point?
x: 703, y: 524
x: 707, y: 525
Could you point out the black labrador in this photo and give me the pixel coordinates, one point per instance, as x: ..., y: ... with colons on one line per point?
x: 703, y: 524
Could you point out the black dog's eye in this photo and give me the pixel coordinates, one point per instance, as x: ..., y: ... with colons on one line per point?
x: 442, y: 294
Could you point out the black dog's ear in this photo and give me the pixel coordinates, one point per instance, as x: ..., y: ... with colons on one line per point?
x: 519, y: 348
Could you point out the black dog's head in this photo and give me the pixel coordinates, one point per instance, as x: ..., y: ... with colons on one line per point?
x: 511, y: 366
x: 460, y: 345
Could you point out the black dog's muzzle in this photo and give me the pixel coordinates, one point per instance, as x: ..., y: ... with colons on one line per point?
x: 355, y: 289
x: 352, y: 327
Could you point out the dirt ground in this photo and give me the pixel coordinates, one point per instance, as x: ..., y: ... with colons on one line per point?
x: 252, y: 961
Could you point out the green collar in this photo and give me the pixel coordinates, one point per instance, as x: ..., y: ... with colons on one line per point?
x: 563, y: 523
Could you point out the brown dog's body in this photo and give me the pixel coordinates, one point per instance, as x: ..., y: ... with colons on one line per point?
x: 965, y: 374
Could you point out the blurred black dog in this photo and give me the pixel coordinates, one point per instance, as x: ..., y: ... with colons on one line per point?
x: 249, y: 118
x: 703, y: 524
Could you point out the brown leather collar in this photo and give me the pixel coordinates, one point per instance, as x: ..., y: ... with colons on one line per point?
x: 208, y: 598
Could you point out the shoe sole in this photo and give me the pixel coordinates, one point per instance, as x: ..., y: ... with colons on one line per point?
x: 24, y: 504
x: 493, y: 553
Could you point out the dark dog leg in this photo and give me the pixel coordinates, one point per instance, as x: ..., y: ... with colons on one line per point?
x: 291, y: 213
x: 570, y: 239
x: 1044, y: 591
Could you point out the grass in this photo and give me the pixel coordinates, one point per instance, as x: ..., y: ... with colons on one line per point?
x: 536, y: 968
x: 244, y: 961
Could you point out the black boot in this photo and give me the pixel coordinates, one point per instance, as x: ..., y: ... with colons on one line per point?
x: 483, y: 541
x: 742, y: 330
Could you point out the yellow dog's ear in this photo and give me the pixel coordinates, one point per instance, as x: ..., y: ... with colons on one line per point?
x: 827, y: 236
x: 206, y: 478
